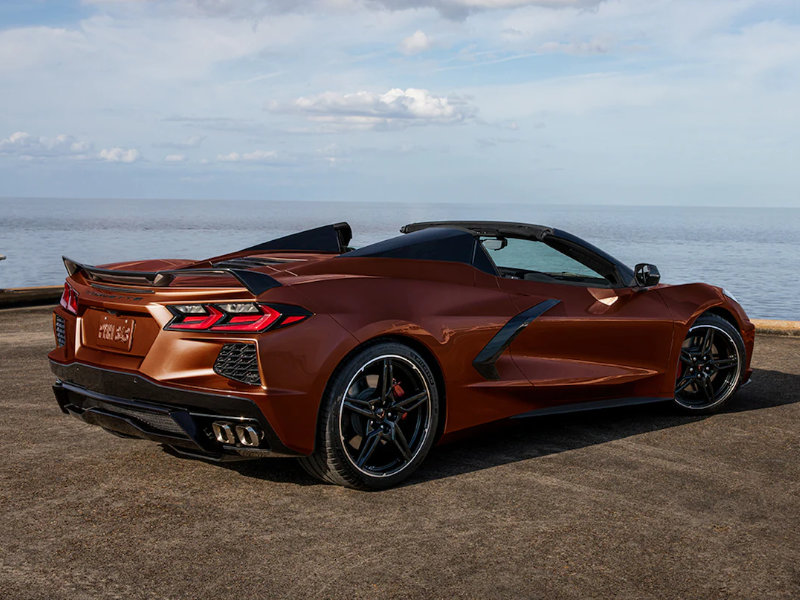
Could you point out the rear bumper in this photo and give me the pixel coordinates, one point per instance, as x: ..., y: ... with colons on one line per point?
x: 134, y: 406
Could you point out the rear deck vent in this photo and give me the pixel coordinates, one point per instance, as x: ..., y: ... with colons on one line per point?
x: 238, y: 362
x: 61, y: 331
x: 248, y: 262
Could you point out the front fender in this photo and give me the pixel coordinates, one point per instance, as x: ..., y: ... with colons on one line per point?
x: 689, y: 301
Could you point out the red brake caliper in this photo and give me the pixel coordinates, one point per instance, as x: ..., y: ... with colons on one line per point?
x: 398, y: 392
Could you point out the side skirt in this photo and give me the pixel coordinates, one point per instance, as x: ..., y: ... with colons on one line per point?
x: 584, y: 406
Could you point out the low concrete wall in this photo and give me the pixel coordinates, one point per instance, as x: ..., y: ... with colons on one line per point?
x: 771, y: 327
x: 30, y: 296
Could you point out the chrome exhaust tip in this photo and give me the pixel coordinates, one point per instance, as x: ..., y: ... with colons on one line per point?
x: 248, y: 435
x: 223, y: 432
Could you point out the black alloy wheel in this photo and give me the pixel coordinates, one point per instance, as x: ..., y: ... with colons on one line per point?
x: 711, y: 365
x: 378, y: 420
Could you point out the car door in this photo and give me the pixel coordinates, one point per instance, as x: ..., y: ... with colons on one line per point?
x: 601, y: 341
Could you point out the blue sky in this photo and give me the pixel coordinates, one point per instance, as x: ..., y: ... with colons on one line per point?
x: 551, y: 101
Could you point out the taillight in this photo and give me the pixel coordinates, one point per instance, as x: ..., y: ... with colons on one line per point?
x: 234, y: 317
x: 69, y: 299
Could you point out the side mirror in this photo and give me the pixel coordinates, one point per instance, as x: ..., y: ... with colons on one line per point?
x: 646, y: 274
x: 495, y: 243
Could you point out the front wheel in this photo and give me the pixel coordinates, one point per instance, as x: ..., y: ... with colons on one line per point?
x: 711, y: 365
x: 378, y: 419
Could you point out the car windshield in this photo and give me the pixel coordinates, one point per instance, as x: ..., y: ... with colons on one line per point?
x: 534, y: 260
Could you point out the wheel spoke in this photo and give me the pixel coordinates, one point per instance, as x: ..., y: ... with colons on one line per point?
x: 368, y: 446
x: 410, y: 403
x: 386, y: 378
x: 683, y: 383
x: 708, y: 341
x: 725, y: 363
x: 713, y: 353
x: 360, y: 407
x: 400, y: 441
x: 708, y: 389
x: 377, y: 437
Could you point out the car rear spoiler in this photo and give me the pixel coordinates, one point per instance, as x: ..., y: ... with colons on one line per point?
x: 255, y: 282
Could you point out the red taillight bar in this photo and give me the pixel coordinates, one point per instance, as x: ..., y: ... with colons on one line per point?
x: 198, y: 322
x: 250, y: 323
x: 253, y: 318
x: 69, y: 299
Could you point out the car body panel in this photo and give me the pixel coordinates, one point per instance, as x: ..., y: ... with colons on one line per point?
x: 595, y: 344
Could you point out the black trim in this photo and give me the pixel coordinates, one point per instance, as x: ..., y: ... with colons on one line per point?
x: 485, y: 361
x: 255, y: 282
x: 288, y: 310
x: 91, y: 392
x: 485, y: 228
x: 328, y: 238
x: 593, y: 257
x: 586, y: 406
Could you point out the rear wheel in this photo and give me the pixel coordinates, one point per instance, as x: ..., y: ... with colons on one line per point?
x: 711, y: 365
x: 378, y: 419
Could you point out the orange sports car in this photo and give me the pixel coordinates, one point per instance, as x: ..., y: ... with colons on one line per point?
x: 357, y: 361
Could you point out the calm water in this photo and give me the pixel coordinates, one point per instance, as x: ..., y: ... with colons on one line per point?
x: 754, y: 253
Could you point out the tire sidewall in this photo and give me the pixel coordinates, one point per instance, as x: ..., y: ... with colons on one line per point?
x: 736, y: 336
x: 335, y: 397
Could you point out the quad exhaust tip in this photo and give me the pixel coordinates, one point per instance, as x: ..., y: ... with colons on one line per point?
x: 229, y: 434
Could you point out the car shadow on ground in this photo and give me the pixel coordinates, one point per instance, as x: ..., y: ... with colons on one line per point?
x: 523, y: 439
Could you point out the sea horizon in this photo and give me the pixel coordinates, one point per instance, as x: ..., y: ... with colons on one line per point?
x: 746, y: 250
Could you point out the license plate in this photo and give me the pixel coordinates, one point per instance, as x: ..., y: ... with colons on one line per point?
x: 115, y: 332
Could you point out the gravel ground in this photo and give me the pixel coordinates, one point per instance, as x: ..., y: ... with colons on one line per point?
x: 633, y: 503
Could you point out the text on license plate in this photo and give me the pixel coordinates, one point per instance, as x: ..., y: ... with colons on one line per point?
x: 115, y: 332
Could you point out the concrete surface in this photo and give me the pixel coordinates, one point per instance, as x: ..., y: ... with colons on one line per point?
x: 633, y: 503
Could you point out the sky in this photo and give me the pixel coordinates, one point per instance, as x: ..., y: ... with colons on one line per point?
x: 658, y: 102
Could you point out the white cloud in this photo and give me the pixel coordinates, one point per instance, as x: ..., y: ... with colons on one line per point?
x: 256, y: 156
x: 24, y: 145
x: 415, y: 43
x: 174, y: 158
x: 368, y: 110
x: 117, y: 154
x: 615, y: 82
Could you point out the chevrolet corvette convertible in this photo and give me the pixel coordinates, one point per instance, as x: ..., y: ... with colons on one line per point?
x: 357, y: 361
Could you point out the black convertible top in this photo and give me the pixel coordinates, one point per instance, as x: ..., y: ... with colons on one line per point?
x: 614, y: 270
x: 440, y: 243
x: 452, y: 241
x: 526, y: 230
x: 328, y: 238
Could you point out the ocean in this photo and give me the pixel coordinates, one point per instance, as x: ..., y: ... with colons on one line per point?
x: 752, y: 252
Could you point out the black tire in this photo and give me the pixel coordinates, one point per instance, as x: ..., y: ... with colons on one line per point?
x: 372, y: 435
x: 710, y: 367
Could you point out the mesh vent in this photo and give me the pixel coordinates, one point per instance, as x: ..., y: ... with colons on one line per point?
x: 238, y: 362
x: 154, y: 420
x: 61, y: 331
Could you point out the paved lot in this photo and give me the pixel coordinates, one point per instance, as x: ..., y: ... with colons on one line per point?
x: 636, y: 503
